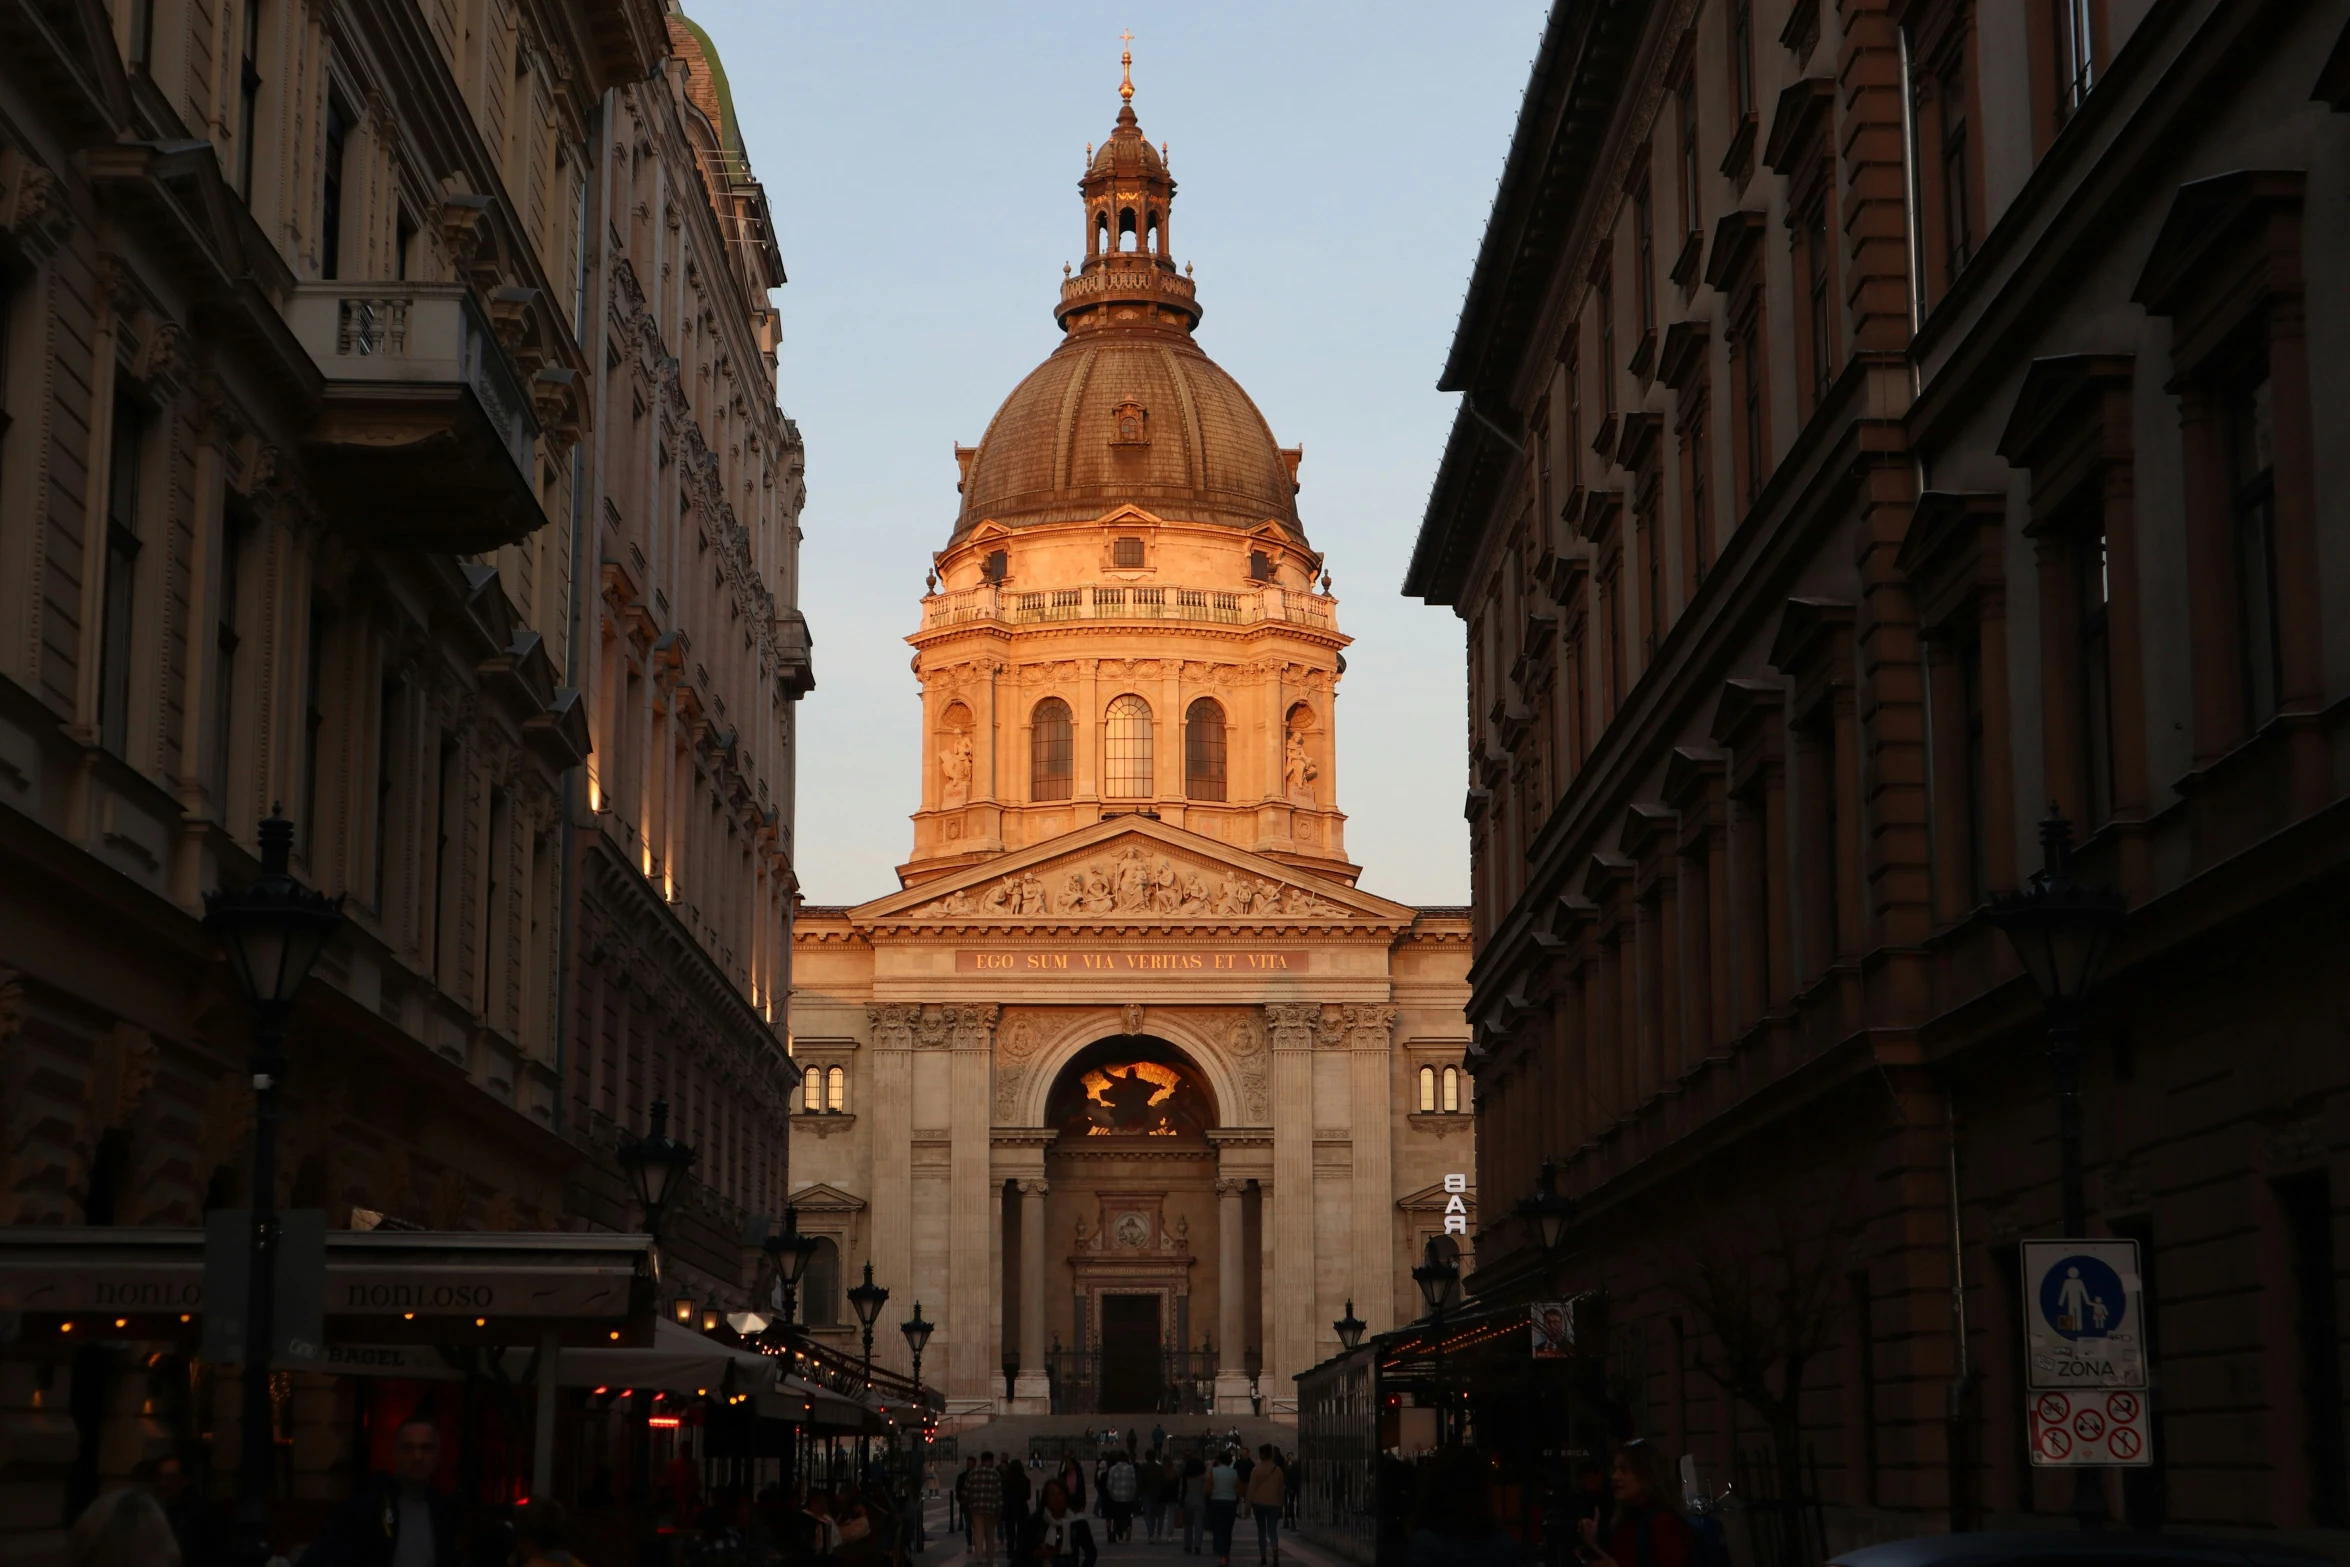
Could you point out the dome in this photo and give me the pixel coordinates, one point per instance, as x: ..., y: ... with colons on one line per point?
x: 1128, y: 408
x: 1117, y: 416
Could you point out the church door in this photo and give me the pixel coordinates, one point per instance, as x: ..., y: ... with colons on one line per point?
x: 1130, y: 1353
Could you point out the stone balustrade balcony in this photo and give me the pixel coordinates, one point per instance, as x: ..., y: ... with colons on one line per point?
x: 1127, y: 602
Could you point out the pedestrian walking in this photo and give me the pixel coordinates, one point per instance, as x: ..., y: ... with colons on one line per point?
x: 1150, y: 1485
x: 1123, y: 1485
x: 1646, y: 1528
x: 1073, y: 1482
x: 1016, y: 1494
x: 1058, y: 1536
x: 1195, y: 1506
x: 1224, y: 1504
x: 983, y: 1502
x: 1267, y: 1490
x: 958, y: 1506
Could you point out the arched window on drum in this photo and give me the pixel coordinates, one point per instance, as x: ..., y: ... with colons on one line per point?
x: 1126, y: 750
x: 1203, y: 750
x: 1049, y: 750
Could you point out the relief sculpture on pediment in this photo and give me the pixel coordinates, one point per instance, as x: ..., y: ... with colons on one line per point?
x: 1132, y: 881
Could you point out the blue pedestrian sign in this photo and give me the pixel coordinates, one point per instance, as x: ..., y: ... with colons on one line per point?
x: 2084, y: 1313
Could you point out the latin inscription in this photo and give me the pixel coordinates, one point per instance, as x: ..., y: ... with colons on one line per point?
x: 1025, y: 962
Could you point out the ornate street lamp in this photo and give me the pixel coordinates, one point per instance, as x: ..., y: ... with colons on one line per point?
x: 918, y: 1330
x: 656, y: 1164
x: 711, y: 1316
x: 1437, y: 1277
x: 2061, y: 929
x: 1549, y: 1210
x: 682, y: 1309
x: 1350, y: 1328
x: 272, y: 932
x: 790, y: 1252
x: 866, y: 1300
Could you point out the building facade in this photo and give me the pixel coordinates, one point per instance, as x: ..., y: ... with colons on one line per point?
x: 317, y: 457
x: 1879, y: 419
x: 1130, y: 1084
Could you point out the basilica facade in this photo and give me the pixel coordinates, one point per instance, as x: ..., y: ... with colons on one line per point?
x: 1130, y: 1084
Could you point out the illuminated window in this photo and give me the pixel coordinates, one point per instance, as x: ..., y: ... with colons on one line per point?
x: 836, y: 1089
x: 1126, y: 749
x: 1452, y: 1090
x: 1427, y: 1090
x: 812, y: 1089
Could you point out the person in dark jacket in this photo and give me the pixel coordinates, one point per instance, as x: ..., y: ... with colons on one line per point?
x: 1058, y: 1536
x: 395, y: 1520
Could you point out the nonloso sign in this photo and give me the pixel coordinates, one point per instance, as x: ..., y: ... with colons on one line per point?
x: 2084, y: 1317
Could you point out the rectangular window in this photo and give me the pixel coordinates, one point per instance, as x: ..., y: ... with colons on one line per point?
x: 248, y: 96
x: 1612, y: 629
x: 2251, y: 438
x: 1699, y: 489
x: 2076, y: 54
x: 330, y: 218
x: 1957, y: 225
x: 445, y: 806
x: 118, y: 607
x: 1607, y: 341
x: 1742, y: 58
x: 1751, y: 453
x: 235, y: 529
x: 1653, y: 577
x: 313, y: 730
x: 2308, y: 1211
x: 1692, y: 190
x: 387, y: 751
x: 142, y: 31
x: 1126, y: 554
x: 1644, y: 218
x: 1977, y: 778
x: 1821, y: 293
x: 403, y: 243
x: 2093, y: 594
x: 1571, y: 356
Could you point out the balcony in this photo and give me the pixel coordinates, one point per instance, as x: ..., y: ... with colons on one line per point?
x: 425, y: 437
x: 1210, y: 606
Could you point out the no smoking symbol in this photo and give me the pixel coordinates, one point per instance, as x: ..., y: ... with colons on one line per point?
x: 2089, y: 1425
x: 2054, y: 1407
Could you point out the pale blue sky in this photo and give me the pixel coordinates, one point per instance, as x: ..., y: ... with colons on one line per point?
x: 1335, y: 166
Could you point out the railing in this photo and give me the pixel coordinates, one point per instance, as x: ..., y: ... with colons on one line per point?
x: 411, y: 333
x: 1210, y: 606
x: 1187, y: 1382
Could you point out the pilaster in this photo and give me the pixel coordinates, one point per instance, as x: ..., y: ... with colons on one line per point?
x: 1291, y: 1026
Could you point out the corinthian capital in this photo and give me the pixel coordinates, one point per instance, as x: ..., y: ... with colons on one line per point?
x: 1292, y: 1024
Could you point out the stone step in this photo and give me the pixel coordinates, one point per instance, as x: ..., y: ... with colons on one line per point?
x: 1039, y: 1437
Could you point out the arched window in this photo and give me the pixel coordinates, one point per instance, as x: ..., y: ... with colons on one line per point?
x: 1128, y: 237
x: 820, y: 1286
x: 1126, y: 750
x: 1049, y: 750
x: 812, y: 1089
x: 1203, y: 750
x: 1452, y: 1090
x: 1427, y: 1090
x: 836, y: 1089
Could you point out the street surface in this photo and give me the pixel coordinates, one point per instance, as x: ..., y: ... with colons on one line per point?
x: 947, y: 1550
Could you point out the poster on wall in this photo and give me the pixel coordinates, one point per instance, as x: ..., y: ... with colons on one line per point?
x: 1554, y: 1330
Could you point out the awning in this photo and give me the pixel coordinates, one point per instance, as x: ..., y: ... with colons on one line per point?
x: 679, y: 1361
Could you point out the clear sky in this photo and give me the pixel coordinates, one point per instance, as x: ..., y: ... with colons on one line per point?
x: 1335, y: 164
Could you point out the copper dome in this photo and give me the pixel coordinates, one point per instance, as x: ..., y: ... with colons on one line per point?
x: 1128, y: 409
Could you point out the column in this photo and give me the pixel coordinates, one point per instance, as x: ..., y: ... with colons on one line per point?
x: 1032, y: 1392
x: 889, y: 1103
x: 974, y: 1219
x: 1231, y: 1290
x: 1368, y: 1035
x: 1289, y: 1350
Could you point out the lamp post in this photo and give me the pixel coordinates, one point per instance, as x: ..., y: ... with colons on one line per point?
x: 656, y: 1164
x: 272, y: 932
x: 1436, y: 1277
x: 1350, y: 1328
x: 918, y: 1330
x: 866, y: 1300
x: 789, y: 1253
x: 1549, y: 1210
x: 2060, y: 929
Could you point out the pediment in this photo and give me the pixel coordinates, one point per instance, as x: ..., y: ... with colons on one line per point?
x: 1132, y: 870
x: 819, y: 1197
x: 1432, y: 1198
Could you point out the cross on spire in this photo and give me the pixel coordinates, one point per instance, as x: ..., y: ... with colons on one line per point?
x: 1126, y: 63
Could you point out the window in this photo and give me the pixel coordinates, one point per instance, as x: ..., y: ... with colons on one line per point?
x: 1692, y: 190
x: 142, y: 31
x: 1203, y: 750
x: 1976, y: 780
x: 996, y: 567
x: 1049, y: 750
x: 1820, y: 293
x: 1957, y: 228
x: 1260, y: 566
x: 2251, y: 441
x: 1742, y: 58
x: 836, y: 1090
x: 235, y: 529
x: 1452, y: 1090
x: 820, y: 1286
x: 1571, y: 362
x: 1126, y: 554
x: 1126, y: 750
x: 248, y: 97
x: 387, y: 753
x: 330, y: 218
x: 1607, y: 341
x: 1747, y: 350
x: 1611, y: 617
x: 404, y: 243
x: 1652, y: 570
x: 117, y: 608
x: 2076, y: 54
x: 1644, y: 221
x: 2093, y: 593
x: 1427, y: 1090
x: 313, y: 726
x: 1699, y: 488
x: 812, y: 1089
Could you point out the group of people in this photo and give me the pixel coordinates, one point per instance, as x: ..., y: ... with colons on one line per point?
x: 993, y: 1501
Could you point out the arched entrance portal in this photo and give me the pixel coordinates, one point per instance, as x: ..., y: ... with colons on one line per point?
x: 1130, y: 1242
